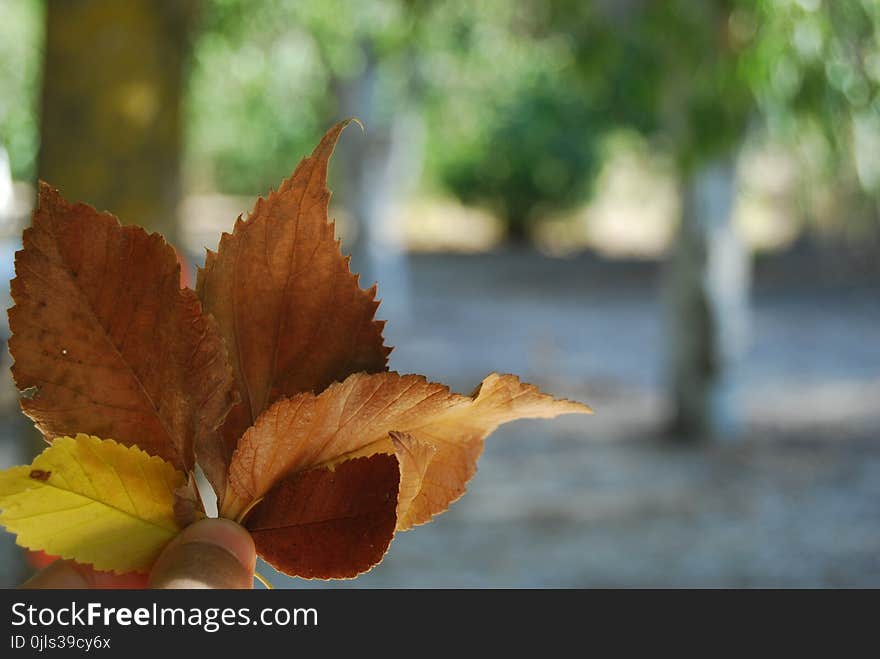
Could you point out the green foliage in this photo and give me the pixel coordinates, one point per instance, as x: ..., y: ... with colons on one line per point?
x: 512, y: 126
x: 509, y: 126
x: 540, y: 153
x: 814, y: 58
x: 516, y: 95
x: 21, y: 34
x: 264, y: 75
x: 815, y: 69
x: 667, y: 69
x: 254, y: 98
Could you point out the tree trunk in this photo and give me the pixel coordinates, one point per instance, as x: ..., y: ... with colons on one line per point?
x: 518, y: 233
x: 110, y: 131
x: 708, y: 287
x: 378, y: 167
x: 111, y: 106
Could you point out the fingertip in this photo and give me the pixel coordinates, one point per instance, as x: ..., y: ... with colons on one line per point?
x: 212, y: 553
x: 224, y: 533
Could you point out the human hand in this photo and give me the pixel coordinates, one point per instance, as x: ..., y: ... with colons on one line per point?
x: 212, y: 553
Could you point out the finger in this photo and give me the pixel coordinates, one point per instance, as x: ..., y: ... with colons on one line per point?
x: 212, y: 553
x: 68, y: 574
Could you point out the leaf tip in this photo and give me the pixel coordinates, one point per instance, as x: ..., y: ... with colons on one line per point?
x: 354, y: 120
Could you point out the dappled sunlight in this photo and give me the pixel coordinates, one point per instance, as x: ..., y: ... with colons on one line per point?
x: 432, y: 225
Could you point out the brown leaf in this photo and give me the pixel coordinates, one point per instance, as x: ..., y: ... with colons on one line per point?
x: 291, y: 312
x: 328, y: 523
x: 109, y: 342
x: 353, y: 418
x: 414, y: 457
x: 188, y: 506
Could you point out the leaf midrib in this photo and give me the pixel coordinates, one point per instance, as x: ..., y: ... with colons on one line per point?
x: 116, y: 349
x: 341, y: 518
x: 92, y: 500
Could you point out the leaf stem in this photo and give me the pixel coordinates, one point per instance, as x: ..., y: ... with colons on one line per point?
x: 263, y: 580
x: 250, y: 507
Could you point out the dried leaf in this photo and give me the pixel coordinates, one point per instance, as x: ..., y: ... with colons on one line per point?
x: 292, y: 315
x: 93, y: 501
x: 414, y: 457
x: 113, y: 346
x: 188, y: 506
x: 353, y: 419
x: 328, y: 523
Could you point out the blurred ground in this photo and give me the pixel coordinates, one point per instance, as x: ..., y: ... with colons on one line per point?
x: 598, y: 501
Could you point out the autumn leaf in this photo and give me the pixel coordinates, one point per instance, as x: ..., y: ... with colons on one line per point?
x: 292, y: 314
x: 414, y: 458
x: 286, y: 461
x: 354, y: 418
x: 107, y: 341
x: 329, y: 522
x: 94, y: 501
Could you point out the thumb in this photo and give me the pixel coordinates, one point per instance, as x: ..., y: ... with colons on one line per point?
x: 212, y: 553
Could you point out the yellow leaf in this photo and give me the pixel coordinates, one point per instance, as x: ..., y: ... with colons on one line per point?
x: 94, y: 501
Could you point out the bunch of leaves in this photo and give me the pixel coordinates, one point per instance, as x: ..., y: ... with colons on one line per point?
x: 271, y: 375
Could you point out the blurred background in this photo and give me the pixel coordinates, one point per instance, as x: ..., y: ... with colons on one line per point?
x: 669, y: 210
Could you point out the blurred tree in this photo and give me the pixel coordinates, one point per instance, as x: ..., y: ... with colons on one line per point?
x: 257, y: 98
x: 670, y: 70
x: 698, y: 77
x: 517, y: 96
x: 703, y: 108
x: 110, y: 125
x: 270, y: 78
x: 21, y: 37
x: 371, y: 55
x: 513, y: 127
x: 541, y: 155
x: 814, y: 67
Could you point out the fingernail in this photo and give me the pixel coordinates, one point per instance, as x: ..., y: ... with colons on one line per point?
x: 223, y: 533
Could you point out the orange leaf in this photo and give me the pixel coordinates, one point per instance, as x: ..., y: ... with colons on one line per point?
x: 291, y: 312
x: 107, y: 341
x: 354, y: 418
x: 328, y: 523
x: 414, y: 458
